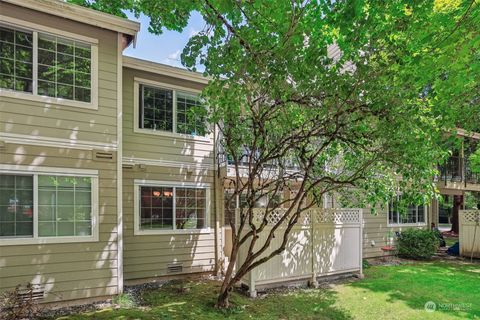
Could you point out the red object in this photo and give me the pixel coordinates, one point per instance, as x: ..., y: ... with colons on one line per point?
x: 387, y: 248
x: 27, y: 211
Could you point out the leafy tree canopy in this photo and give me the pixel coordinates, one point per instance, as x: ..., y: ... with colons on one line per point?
x: 355, y: 93
x: 406, y: 73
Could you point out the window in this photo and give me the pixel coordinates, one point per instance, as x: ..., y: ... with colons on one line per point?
x: 156, y: 207
x: 412, y: 215
x: 16, y: 206
x: 46, y: 206
x: 46, y: 65
x: 64, y: 206
x: 168, y: 207
x: 157, y: 109
x: 63, y: 68
x: 168, y: 110
x: 188, y: 122
x: 16, y: 54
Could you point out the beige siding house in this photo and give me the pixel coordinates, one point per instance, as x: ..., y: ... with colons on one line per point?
x: 108, y: 173
x: 168, y: 174
x: 60, y: 84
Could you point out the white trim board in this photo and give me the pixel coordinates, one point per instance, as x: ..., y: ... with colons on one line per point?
x: 80, y: 14
x: 159, y: 68
x: 48, y: 170
x: 119, y: 166
x: 15, y: 138
x: 137, y: 183
x: 26, y: 25
x: 166, y: 163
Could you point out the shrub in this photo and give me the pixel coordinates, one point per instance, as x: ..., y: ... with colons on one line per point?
x: 124, y: 300
x: 365, y: 264
x: 417, y: 243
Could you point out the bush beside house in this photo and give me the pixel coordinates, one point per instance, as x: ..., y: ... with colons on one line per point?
x: 417, y: 243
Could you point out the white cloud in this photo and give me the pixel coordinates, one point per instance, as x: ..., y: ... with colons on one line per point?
x: 174, y: 55
x: 192, y: 32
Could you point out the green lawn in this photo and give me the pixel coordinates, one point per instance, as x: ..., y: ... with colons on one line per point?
x: 387, y: 292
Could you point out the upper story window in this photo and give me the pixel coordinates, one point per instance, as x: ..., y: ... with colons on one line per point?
x: 16, y: 60
x: 413, y: 214
x: 167, y: 110
x: 43, y: 65
x: 156, y: 112
x: 64, y: 68
x: 188, y: 119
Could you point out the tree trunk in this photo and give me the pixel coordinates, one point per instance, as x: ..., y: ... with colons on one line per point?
x: 222, y: 300
x: 227, y: 285
x: 457, y: 204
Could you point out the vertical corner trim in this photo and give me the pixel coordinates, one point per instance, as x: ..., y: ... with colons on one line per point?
x: 119, y: 163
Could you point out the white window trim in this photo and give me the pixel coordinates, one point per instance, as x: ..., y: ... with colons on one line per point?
x: 154, y: 183
x: 417, y: 224
x: 136, y: 110
x: 35, y: 28
x: 35, y: 171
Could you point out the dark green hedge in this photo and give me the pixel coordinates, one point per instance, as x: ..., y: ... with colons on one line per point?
x: 417, y: 243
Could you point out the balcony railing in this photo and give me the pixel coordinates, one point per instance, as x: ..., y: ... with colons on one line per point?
x: 457, y: 169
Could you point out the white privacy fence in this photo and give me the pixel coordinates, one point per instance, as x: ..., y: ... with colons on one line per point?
x: 323, y: 242
x: 469, y: 236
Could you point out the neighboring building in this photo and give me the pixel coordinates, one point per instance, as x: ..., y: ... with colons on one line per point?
x: 105, y: 179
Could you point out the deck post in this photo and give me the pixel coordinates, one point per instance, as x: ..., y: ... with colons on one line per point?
x: 360, y: 213
x: 313, y: 281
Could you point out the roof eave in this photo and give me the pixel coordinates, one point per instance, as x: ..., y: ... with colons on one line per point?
x: 81, y: 14
x: 159, y: 68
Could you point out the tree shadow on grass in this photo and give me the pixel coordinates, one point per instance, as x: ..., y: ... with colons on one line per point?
x: 453, y: 287
x: 195, y: 300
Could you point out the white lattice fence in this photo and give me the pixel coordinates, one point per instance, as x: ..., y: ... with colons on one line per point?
x: 323, y: 242
x: 469, y: 237
x: 315, y: 215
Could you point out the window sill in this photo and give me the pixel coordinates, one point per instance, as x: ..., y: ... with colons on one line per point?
x: 40, y: 241
x: 173, y: 135
x: 421, y: 224
x: 48, y: 100
x: 172, y: 232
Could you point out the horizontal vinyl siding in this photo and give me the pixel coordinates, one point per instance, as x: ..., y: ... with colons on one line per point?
x: 25, y: 117
x: 147, y: 256
x: 375, y: 229
x: 67, y: 270
x: 157, y: 147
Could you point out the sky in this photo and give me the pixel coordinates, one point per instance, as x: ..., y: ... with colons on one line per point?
x: 165, y: 48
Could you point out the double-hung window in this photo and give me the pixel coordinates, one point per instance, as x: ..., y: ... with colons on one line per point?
x: 167, y: 207
x: 47, y: 207
x: 46, y: 66
x: 162, y: 109
x: 412, y: 214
